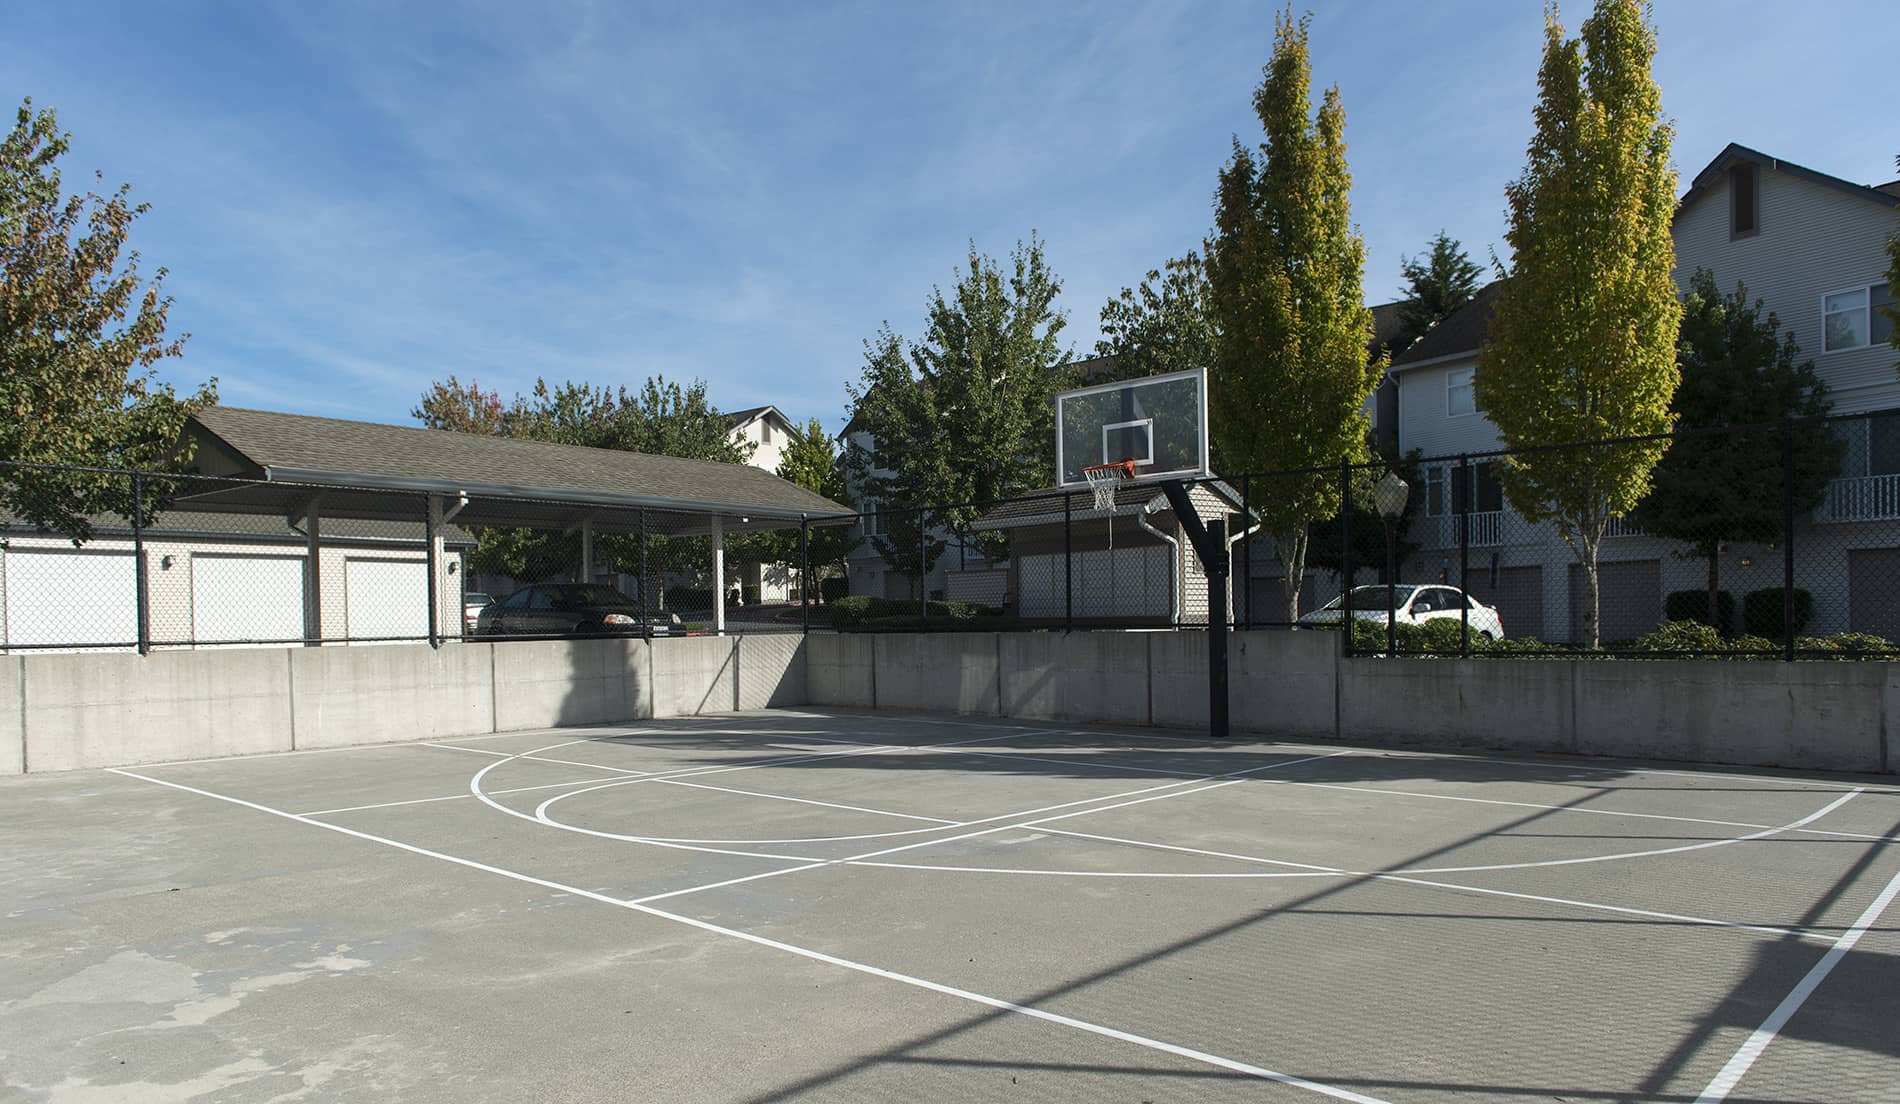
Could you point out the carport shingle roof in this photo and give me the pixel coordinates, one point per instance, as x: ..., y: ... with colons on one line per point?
x: 306, y: 449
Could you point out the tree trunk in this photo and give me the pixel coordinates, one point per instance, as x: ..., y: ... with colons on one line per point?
x: 1715, y: 589
x: 1592, y: 621
x: 1293, y: 557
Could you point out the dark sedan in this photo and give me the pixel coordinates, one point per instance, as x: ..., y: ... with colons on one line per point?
x: 570, y: 609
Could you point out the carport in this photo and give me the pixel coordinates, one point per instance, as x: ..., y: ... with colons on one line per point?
x: 312, y: 470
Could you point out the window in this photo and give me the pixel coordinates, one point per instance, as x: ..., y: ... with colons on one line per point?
x: 1484, y: 495
x: 1744, y: 209
x: 1458, y: 396
x: 1434, y: 491
x: 1852, y: 319
x: 873, y: 525
x: 765, y: 432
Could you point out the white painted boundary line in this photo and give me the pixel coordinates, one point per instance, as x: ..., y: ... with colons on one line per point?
x: 798, y: 800
x: 451, y: 797
x: 1319, y: 871
x: 1168, y: 790
x: 1738, y: 1066
x: 1189, y: 1053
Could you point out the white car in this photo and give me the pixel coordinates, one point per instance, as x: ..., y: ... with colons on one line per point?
x: 473, y: 603
x: 1415, y: 604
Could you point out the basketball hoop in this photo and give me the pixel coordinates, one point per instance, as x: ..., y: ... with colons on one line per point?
x: 1104, y: 479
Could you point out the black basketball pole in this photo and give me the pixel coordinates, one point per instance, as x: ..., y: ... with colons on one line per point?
x: 1210, y: 545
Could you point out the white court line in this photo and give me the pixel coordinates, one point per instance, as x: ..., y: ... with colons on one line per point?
x: 1737, y: 1067
x: 783, y: 797
x: 1031, y: 1012
x: 545, y: 759
x: 1579, y: 809
x: 1325, y: 870
x: 1173, y: 789
x: 452, y: 797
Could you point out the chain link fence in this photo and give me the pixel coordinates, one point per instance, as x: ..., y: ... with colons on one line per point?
x: 1779, y: 540
x: 96, y: 559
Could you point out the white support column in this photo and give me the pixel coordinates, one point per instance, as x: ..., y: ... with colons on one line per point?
x: 587, y: 550
x: 719, y: 575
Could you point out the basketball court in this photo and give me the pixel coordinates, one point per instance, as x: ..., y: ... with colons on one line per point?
x: 813, y: 905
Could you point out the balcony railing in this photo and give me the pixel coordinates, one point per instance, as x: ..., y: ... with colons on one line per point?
x: 1867, y: 498
x: 1621, y: 527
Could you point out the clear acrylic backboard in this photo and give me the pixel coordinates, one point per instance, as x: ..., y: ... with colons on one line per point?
x: 1159, y: 422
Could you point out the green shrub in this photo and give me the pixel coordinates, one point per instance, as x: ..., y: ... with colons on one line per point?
x: 1679, y: 636
x: 1693, y: 605
x: 830, y: 590
x: 1761, y: 612
x: 862, y: 610
x: 1750, y: 643
x: 1849, y: 645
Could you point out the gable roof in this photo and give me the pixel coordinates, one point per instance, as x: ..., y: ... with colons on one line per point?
x: 311, y: 451
x: 1461, y: 331
x: 1891, y: 187
x: 740, y: 417
x: 1386, y: 326
x: 1884, y: 194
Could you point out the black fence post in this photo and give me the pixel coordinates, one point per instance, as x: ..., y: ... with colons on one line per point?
x: 1345, y: 551
x: 1787, y: 540
x: 1464, y: 555
x: 646, y: 607
x: 1068, y: 565
x: 142, y: 599
x: 1246, y: 551
x: 429, y: 566
x: 1217, y: 584
x: 923, y: 570
x: 804, y: 575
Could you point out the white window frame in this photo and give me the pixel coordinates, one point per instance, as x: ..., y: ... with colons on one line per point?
x: 1470, y: 377
x: 1866, y: 309
x: 1441, y: 476
x: 872, y: 524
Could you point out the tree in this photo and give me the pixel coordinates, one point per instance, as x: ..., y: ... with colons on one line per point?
x: 1437, y: 283
x: 461, y: 407
x: 1738, y: 379
x: 811, y: 461
x: 80, y: 335
x: 1893, y: 284
x: 1583, y: 345
x: 1163, y: 325
x: 967, y: 416
x: 1284, y: 268
x: 1327, y: 539
x: 662, y: 418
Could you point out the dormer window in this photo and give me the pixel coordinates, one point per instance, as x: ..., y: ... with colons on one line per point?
x: 1744, y: 201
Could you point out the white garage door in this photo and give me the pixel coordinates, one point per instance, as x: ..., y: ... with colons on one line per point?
x: 246, y: 598
x: 70, y: 597
x: 386, y: 598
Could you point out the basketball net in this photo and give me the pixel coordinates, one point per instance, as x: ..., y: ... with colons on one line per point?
x: 1106, y: 479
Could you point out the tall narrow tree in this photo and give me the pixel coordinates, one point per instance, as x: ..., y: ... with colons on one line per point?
x: 1284, y: 270
x: 1893, y: 285
x: 1583, y: 345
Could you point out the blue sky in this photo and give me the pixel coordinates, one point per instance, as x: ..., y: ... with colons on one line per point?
x: 355, y: 199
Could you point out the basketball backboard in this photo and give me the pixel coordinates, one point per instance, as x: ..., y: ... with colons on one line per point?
x: 1159, y: 422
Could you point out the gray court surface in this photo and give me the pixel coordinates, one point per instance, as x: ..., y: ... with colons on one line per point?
x: 823, y: 906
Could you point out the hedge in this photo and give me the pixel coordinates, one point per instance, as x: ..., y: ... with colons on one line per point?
x: 1761, y: 612
x: 1693, y: 605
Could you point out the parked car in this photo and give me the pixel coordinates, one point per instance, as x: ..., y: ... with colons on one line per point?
x: 1414, y: 603
x: 571, y: 609
x: 473, y: 603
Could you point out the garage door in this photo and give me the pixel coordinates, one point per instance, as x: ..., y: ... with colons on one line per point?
x: 1873, y: 591
x: 1630, y: 600
x: 246, y: 599
x: 1518, y: 597
x: 70, y: 597
x: 386, y: 598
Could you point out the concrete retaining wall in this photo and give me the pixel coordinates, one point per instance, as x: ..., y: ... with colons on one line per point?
x: 60, y: 712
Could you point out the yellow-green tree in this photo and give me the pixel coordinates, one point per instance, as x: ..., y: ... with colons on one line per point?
x: 81, y: 333
x: 1893, y: 283
x: 1284, y: 267
x: 1583, y: 345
